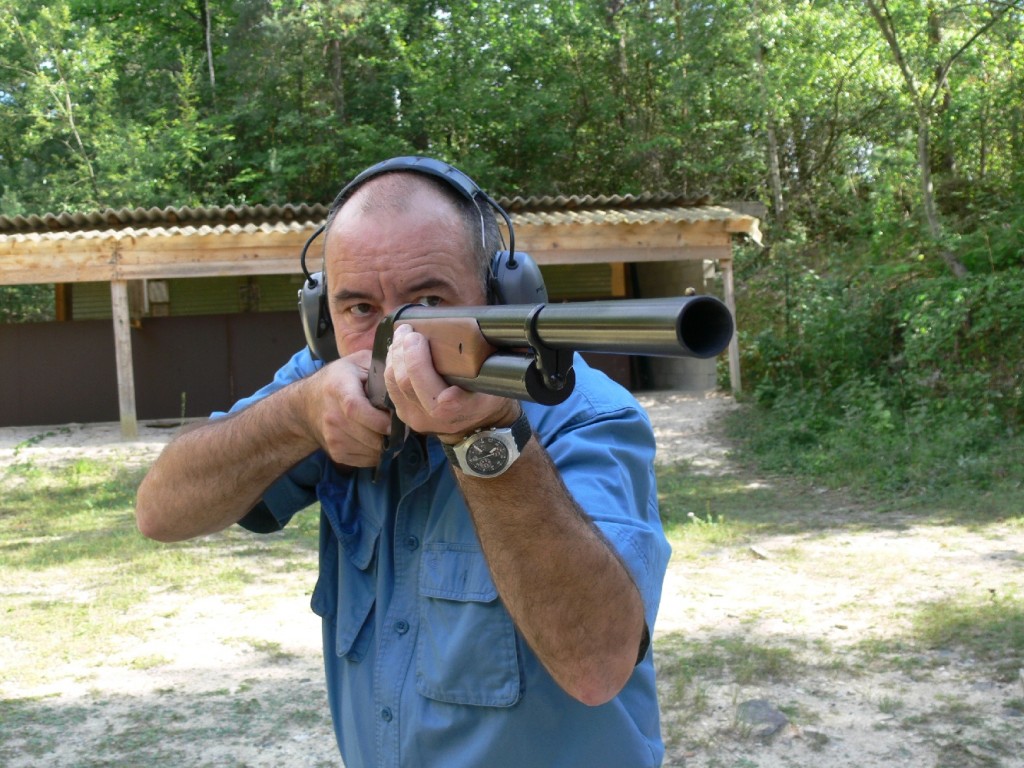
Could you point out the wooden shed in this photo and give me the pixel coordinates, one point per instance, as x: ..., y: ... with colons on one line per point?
x: 145, y: 270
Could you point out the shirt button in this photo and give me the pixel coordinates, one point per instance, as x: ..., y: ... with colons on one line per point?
x: 385, y: 715
x: 401, y: 626
x: 411, y: 543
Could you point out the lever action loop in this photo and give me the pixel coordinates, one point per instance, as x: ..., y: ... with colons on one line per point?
x: 552, y: 364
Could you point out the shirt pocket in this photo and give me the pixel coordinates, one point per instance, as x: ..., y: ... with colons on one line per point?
x: 466, y: 649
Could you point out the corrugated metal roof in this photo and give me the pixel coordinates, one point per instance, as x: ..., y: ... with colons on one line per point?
x: 150, y: 218
x: 595, y: 216
x: 187, y: 220
x: 626, y: 216
x: 159, y: 231
x: 575, y: 202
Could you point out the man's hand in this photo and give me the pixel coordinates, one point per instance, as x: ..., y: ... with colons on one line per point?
x: 209, y: 477
x: 340, y: 418
x: 427, y: 403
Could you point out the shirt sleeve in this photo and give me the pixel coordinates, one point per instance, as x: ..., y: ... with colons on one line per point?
x: 604, y: 450
x: 296, y: 489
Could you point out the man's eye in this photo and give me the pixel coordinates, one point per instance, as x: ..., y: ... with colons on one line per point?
x: 429, y: 301
x: 361, y: 310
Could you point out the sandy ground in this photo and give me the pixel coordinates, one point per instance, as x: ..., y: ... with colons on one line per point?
x: 68, y: 442
x: 818, y: 594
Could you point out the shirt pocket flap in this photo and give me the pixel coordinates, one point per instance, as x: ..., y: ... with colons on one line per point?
x: 456, y: 572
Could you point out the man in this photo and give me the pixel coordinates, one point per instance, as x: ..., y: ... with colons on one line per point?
x: 468, y: 621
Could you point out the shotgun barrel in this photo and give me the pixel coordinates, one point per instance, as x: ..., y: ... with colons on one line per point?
x: 531, y: 346
x: 684, y: 326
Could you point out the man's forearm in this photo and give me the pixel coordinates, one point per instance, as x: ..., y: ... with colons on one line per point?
x: 209, y: 477
x: 563, y: 584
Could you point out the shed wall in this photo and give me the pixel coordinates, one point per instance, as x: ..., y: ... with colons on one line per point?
x: 56, y: 373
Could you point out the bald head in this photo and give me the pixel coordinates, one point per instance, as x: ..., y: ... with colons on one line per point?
x: 396, y: 192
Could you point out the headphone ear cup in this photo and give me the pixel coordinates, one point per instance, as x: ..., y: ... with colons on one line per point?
x: 316, y: 318
x: 516, y: 280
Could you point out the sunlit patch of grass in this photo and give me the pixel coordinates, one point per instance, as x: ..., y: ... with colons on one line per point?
x: 742, y: 660
x: 729, y: 508
x: 989, y: 629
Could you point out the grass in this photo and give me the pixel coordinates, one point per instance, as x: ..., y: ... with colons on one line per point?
x: 989, y: 631
x: 78, y: 586
x: 73, y: 567
x: 160, y: 731
x: 741, y: 660
x: 702, y: 514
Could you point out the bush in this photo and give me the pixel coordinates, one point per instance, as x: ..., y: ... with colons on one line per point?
x: 893, y: 382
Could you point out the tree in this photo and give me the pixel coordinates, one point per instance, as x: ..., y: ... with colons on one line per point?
x: 924, y: 58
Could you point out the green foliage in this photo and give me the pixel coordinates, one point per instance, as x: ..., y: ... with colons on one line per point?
x: 26, y: 303
x: 994, y: 240
x: 118, y: 103
x: 897, y: 381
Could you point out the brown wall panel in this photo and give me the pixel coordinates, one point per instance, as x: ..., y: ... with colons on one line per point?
x: 57, y: 373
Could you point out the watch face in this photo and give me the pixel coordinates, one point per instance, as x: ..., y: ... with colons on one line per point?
x: 488, y: 456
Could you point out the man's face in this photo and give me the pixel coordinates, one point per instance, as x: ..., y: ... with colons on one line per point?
x: 380, y: 260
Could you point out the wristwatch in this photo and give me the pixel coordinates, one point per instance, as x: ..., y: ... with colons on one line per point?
x: 489, y: 452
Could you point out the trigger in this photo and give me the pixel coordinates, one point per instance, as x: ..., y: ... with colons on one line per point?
x: 394, y: 442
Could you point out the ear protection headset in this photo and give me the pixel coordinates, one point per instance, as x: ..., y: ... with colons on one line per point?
x: 512, y: 278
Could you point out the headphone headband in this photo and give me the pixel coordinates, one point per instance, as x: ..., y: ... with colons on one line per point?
x: 425, y: 165
x: 428, y: 166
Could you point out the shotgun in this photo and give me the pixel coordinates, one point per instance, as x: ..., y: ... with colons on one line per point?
x: 525, y: 351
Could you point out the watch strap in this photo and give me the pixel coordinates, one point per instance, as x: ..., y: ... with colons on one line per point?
x: 521, y: 430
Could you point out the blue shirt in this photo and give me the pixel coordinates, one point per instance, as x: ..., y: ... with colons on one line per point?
x: 424, y: 665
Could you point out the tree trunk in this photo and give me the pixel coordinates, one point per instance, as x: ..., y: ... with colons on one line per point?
x: 338, y: 81
x: 924, y: 107
x: 208, y: 34
x: 620, y: 66
x: 774, y: 169
x: 931, y: 213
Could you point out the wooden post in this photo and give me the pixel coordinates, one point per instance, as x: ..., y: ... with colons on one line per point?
x: 123, y: 358
x: 734, y: 344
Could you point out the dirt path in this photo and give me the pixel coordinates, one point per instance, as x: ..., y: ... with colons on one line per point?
x: 806, y: 623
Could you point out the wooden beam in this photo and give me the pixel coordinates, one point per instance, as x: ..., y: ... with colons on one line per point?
x: 123, y: 359
x: 620, y: 288
x: 62, y: 302
x: 734, y: 344
x: 27, y: 260
x: 612, y: 255
x: 629, y: 238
